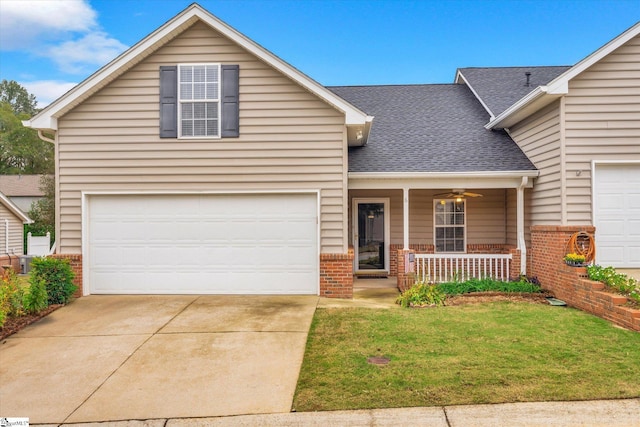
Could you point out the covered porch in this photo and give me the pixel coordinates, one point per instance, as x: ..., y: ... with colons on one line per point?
x: 439, y: 227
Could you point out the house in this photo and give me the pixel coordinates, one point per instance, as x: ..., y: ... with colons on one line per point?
x: 22, y: 190
x: 199, y: 162
x: 12, y: 221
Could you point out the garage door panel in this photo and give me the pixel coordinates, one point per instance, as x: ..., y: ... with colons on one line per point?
x: 616, y: 195
x: 264, y: 244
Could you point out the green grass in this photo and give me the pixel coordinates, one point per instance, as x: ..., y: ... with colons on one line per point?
x: 487, y: 353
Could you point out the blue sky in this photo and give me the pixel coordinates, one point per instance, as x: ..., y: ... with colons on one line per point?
x: 49, y: 46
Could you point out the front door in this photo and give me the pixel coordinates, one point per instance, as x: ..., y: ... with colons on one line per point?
x: 371, y: 234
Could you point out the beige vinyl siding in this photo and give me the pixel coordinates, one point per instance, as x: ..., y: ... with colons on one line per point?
x: 602, y: 116
x: 16, y: 229
x: 486, y: 216
x: 539, y: 138
x: 289, y: 140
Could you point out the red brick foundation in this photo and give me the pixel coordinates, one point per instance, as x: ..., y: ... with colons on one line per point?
x: 13, y: 261
x: 76, y: 266
x: 570, y: 284
x: 336, y: 275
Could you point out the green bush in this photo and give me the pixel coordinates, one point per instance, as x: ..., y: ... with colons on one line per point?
x: 489, y: 285
x: 57, y: 276
x: 10, y: 296
x: 36, y: 298
x: 421, y: 294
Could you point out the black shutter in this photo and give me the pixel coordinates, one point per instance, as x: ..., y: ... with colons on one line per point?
x: 230, y: 98
x: 169, y: 101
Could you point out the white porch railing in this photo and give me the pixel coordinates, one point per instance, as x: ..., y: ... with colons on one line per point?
x: 438, y: 268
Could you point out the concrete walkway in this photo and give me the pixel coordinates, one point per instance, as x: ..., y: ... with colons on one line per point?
x: 610, y: 413
x: 110, y: 358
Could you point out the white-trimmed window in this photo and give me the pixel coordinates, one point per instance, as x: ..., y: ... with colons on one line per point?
x: 199, y: 100
x: 449, y: 221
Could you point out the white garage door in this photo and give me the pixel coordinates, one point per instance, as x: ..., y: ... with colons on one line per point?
x: 617, y: 215
x: 209, y: 244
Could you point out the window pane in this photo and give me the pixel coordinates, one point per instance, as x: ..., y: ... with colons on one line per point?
x: 186, y: 91
x: 212, y: 90
x: 186, y: 73
x: 212, y: 127
x: 187, y: 128
x: 187, y: 111
x: 199, y: 128
x: 199, y: 110
x: 199, y: 91
x: 199, y: 73
x: 212, y: 110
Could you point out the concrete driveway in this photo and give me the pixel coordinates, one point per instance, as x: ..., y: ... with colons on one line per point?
x: 108, y: 358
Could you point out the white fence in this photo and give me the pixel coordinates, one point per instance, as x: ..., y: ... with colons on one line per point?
x: 38, y: 245
x: 438, y: 268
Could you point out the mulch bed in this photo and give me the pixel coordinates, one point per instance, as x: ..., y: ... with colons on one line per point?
x: 482, y: 297
x: 14, y: 324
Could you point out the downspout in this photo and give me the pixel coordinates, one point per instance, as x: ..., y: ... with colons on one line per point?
x: 522, y: 245
x: 45, y: 138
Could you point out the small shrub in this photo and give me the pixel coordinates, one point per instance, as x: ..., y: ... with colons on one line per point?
x: 10, y: 296
x: 523, y: 284
x: 619, y: 282
x: 57, y: 276
x: 36, y: 298
x: 421, y: 294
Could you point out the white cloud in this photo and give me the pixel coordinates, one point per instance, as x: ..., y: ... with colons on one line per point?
x: 47, y: 91
x: 95, y: 48
x: 65, y: 31
x: 24, y: 21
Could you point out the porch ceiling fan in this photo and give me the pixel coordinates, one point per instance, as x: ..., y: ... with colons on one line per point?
x: 457, y: 193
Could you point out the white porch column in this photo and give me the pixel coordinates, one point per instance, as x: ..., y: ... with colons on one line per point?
x: 405, y: 213
x: 522, y: 245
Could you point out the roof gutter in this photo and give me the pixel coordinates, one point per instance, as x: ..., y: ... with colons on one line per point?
x: 443, y: 175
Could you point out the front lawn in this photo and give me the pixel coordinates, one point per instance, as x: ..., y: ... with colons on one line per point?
x: 487, y: 353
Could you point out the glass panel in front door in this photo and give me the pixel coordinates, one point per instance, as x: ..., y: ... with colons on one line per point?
x: 371, y: 236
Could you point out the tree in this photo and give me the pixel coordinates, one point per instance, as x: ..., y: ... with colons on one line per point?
x: 21, y: 151
x: 43, y: 212
x: 21, y: 101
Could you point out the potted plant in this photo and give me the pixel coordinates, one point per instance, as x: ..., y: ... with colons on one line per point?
x: 574, y: 259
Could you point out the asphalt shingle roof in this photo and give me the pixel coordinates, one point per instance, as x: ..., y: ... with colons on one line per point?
x: 501, y: 87
x: 20, y: 185
x: 429, y: 128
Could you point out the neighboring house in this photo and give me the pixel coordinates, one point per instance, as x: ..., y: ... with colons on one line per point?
x: 198, y: 162
x: 12, y: 221
x: 22, y: 190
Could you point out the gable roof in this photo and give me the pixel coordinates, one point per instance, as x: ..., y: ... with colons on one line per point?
x: 21, y: 185
x: 545, y: 94
x: 4, y: 200
x: 47, y: 118
x: 498, y: 88
x: 429, y: 128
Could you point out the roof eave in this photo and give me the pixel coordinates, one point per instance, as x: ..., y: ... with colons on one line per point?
x: 532, y: 102
x: 14, y: 209
x: 47, y: 118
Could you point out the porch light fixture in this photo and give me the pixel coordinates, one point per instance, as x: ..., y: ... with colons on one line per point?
x: 458, y: 199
